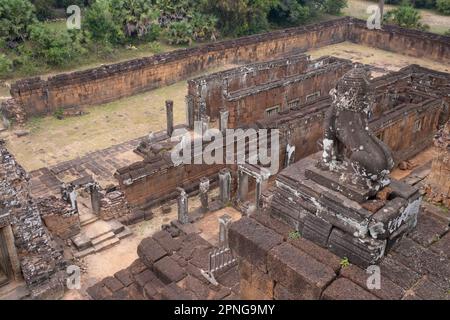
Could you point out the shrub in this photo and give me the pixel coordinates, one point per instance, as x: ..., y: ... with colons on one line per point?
x: 180, y: 32
x: 443, y: 6
x: 5, y: 65
x: 334, y: 6
x: 406, y: 16
x: 100, y: 24
x: 289, y: 12
x: 54, y: 47
x: 44, y: 9
x: 15, y: 18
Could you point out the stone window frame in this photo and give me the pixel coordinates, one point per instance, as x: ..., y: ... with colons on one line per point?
x: 272, y: 111
x: 418, y: 124
x: 294, y: 103
x: 313, y: 96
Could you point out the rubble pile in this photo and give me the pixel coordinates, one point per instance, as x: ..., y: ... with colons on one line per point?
x: 40, y: 259
x: 12, y: 110
x: 59, y: 217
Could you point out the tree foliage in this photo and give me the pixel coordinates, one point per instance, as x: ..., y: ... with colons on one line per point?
x: 334, y: 6
x: 406, y: 16
x: 5, y: 65
x: 16, y: 17
x: 443, y: 6
x: 100, y: 24
x: 53, y: 47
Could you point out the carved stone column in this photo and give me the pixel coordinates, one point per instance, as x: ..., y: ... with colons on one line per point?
x: 204, y: 188
x: 183, y: 209
x: 169, y: 113
x: 225, y: 186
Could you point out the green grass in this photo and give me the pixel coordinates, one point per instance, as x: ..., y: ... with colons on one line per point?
x: 345, y: 262
x: 294, y: 235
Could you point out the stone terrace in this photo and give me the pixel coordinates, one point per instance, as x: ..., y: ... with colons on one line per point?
x: 274, y: 265
x: 169, y: 266
x: 100, y: 164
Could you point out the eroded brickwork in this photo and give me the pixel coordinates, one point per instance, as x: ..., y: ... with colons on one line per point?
x: 40, y: 259
x: 107, y: 83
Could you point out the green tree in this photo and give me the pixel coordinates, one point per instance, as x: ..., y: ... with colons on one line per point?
x: 5, y: 65
x: 16, y: 16
x: 334, y: 6
x: 44, y: 9
x: 290, y: 12
x: 137, y: 18
x: 100, y: 24
x: 239, y: 17
x: 406, y: 16
x: 52, y: 47
x: 443, y: 6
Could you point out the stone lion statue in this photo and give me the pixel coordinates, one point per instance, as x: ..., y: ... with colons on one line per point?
x: 347, y: 138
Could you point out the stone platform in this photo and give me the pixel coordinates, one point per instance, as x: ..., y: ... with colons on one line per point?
x: 346, y: 217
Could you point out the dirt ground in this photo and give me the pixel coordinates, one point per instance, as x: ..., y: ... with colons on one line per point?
x: 107, y: 263
x: 438, y: 23
x: 379, y: 58
x: 52, y: 141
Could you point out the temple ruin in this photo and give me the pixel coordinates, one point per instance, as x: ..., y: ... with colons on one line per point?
x: 346, y: 194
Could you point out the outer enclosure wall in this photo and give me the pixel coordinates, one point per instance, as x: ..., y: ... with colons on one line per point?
x: 108, y: 83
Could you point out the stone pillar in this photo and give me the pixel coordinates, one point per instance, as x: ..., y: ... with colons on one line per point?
x: 290, y: 155
x: 242, y: 185
x: 205, y: 123
x: 12, y: 252
x: 183, y: 210
x: 204, y: 188
x: 223, y: 120
x: 225, y: 186
x: 95, y: 198
x: 258, y: 193
x: 73, y: 199
x: 190, y: 112
x: 224, y: 225
x: 169, y: 113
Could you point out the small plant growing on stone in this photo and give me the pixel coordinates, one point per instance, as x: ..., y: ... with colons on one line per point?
x: 345, y: 263
x: 59, y: 114
x: 294, y: 235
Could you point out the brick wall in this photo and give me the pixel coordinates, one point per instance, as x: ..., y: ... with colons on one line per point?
x: 62, y: 226
x: 211, y: 89
x: 147, y: 184
x: 111, y: 82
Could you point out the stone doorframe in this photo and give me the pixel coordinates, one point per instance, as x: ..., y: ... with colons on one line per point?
x: 261, y: 176
x: 8, y: 253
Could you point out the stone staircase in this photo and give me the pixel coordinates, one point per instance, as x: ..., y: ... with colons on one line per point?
x: 97, y: 235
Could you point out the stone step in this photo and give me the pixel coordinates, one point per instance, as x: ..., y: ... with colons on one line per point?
x: 126, y: 232
x: 84, y: 253
x: 81, y: 241
x: 102, y: 238
x: 106, y: 244
x: 86, y: 219
x: 97, y: 229
x: 116, y: 226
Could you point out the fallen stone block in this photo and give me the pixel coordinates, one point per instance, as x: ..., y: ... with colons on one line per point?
x: 298, y: 271
x: 168, y: 270
x: 150, y: 251
x: 253, y: 241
